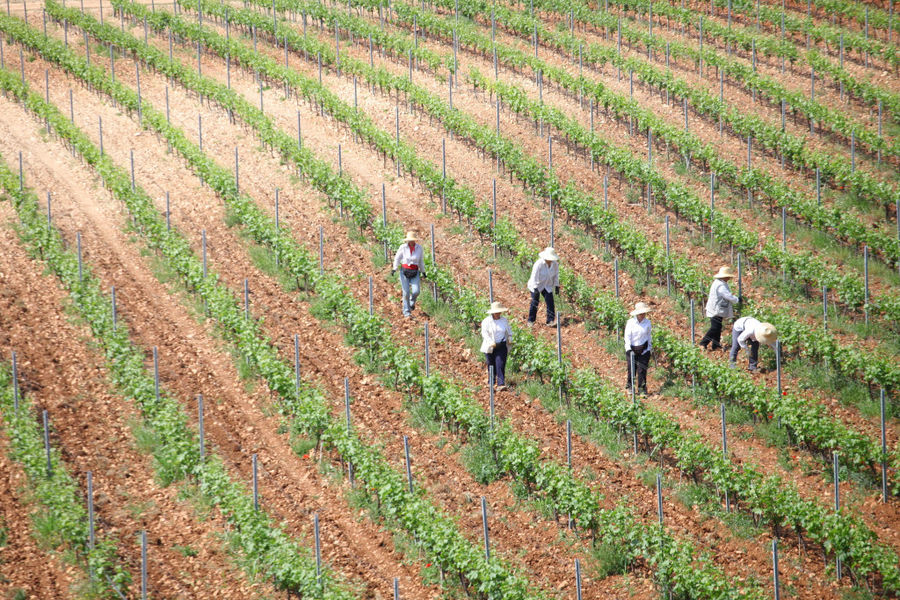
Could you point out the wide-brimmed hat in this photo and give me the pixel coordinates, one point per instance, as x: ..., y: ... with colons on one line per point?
x: 766, y: 334
x: 724, y: 273
x: 549, y: 253
x: 410, y: 237
x: 497, y: 307
x: 639, y: 309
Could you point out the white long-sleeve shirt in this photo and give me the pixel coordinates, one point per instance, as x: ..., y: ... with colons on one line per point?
x: 745, y: 329
x: 405, y: 256
x: 544, y: 278
x: 494, y: 331
x: 721, y: 300
x: 638, y: 333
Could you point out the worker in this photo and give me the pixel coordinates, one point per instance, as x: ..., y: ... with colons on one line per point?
x: 410, y: 259
x: 543, y: 281
x: 638, y: 345
x: 495, y: 338
x: 719, y: 306
x: 750, y: 332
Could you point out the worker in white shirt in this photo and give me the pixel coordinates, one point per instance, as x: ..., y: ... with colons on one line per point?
x: 410, y: 259
x: 719, y: 306
x: 638, y: 345
x: 543, y: 281
x: 495, y: 338
x: 750, y: 333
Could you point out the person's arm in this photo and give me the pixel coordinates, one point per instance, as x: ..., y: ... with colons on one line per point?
x: 420, y: 251
x: 649, y: 337
x: 745, y: 335
x: 532, y: 280
x: 508, y: 332
x: 556, y: 276
x: 627, y: 336
x: 397, y: 257
x: 726, y: 293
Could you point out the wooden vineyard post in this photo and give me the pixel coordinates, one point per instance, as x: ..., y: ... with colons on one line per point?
x: 92, y: 540
x: 371, y: 299
x: 427, y: 352
x: 712, y: 203
x: 396, y: 589
x: 277, y: 226
x: 740, y: 278
x: 616, y: 274
x: 866, y: 282
x: 200, y: 426
x: 659, y: 501
x: 569, y: 443
x: 80, y: 263
x: 409, y: 476
x: 837, y: 505
x: 156, y: 373
x: 778, y: 368
x: 49, y: 212
x: 45, y: 419
x: 297, y: 364
x: 578, y: 579
x: 818, y: 187
x: 113, y: 307
x: 692, y: 321
x: 668, y: 270
x: 484, y: 523
x: 144, y: 565
x: 491, y: 393
x: 349, y: 423
x: 852, y: 151
x: 321, y: 251
x: 725, y: 452
x: 318, y: 543
x: 825, y: 307
x: 255, y: 467
x: 784, y: 242
x: 490, y: 286
x: 777, y: 584
x: 15, y: 382
x: 884, y: 487
x: 246, y: 300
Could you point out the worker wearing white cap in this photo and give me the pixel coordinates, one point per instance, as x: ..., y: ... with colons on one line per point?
x: 410, y: 259
x: 495, y: 337
x: 719, y: 306
x: 750, y: 333
x: 543, y: 281
x: 638, y: 345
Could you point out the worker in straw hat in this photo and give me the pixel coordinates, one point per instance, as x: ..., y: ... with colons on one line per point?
x: 638, y: 344
x: 543, y: 281
x: 495, y: 337
x: 410, y: 259
x: 719, y: 306
x: 750, y: 333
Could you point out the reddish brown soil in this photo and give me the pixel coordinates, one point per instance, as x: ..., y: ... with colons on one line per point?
x: 239, y: 428
x: 355, y: 166
x: 63, y: 375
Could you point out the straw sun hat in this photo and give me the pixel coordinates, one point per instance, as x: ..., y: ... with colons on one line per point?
x: 496, y: 307
x: 639, y: 309
x: 724, y: 273
x: 410, y: 237
x: 549, y: 253
x: 766, y: 334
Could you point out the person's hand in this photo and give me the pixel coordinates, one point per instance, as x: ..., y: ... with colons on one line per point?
x: 424, y: 276
x: 393, y: 272
x: 491, y: 348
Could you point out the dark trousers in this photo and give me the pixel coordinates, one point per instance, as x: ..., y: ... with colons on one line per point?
x: 536, y: 299
x: 713, y: 334
x: 497, y: 359
x: 752, y: 346
x: 641, y: 364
